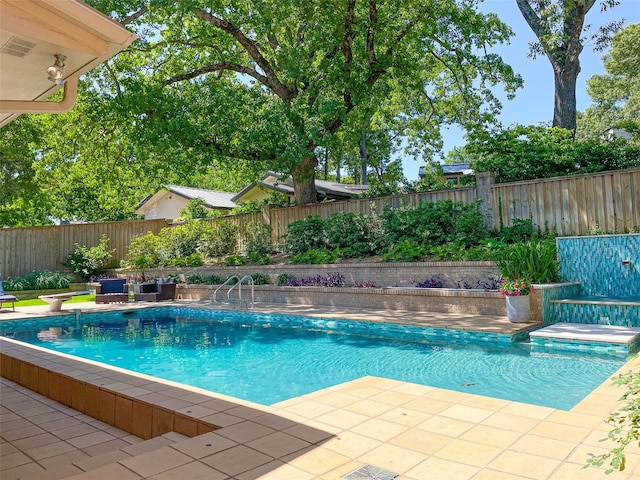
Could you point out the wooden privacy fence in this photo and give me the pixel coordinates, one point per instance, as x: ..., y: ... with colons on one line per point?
x: 607, y: 201
x: 23, y: 250
x: 575, y: 205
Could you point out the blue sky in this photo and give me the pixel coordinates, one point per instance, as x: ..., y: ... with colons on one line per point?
x: 534, y: 103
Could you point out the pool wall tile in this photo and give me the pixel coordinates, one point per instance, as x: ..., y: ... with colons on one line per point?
x: 54, y: 386
x: 556, y: 292
x: 142, y: 420
x: 124, y: 413
x: 43, y: 381
x: 107, y: 407
x: 607, y: 265
x: 78, y: 395
x: 185, y: 425
x: 66, y: 390
x: 162, y: 421
x: 92, y: 401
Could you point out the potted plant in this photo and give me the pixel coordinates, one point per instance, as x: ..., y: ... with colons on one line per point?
x: 516, y: 292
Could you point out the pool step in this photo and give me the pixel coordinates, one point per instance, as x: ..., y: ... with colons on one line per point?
x: 587, y: 337
x: 619, y: 311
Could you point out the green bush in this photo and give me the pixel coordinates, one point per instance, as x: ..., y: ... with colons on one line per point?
x: 435, y: 223
x: 260, y: 279
x: 193, y: 260
x: 44, y: 280
x: 218, y: 239
x: 534, y: 260
x: 143, y: 251
x: 315, y: 256
x: 257, y: 238
x: 303, y: 235
x: 235, y: 260
x: 86, y: 261
x: 405, y: 251
x: 283, y: 279
x: 179, y: 241
x: 354, y: 234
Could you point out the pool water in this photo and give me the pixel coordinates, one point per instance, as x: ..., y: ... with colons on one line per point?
x: 267, y: 364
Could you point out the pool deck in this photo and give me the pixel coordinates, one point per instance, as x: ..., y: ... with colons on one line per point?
x: 415, y: 431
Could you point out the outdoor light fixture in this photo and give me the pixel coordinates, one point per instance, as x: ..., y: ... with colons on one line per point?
x: 55, y: 71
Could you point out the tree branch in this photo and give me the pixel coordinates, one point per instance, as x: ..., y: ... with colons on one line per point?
x: 373, y: 20
x: 134, y: 16
x: 346, y: 48
x: 217, y: 67
x: 270, y: 79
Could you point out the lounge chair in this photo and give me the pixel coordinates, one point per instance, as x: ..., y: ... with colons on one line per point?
x: 155, y: 292
x: 112, y: 290
x: 7, y: 298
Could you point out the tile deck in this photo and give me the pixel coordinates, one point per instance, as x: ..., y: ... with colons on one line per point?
x: 414, y: 431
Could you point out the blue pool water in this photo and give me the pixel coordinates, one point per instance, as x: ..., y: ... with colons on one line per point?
x: 263, y: 360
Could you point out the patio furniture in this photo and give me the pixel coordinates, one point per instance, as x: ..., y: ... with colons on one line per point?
x: 112, y: 290
x: 7, y: 298
x: 55, y: 299
x: 155, y: 292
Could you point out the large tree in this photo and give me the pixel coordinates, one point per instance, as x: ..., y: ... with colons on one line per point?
x: 616, y: 94
x: 275, y: 80
x: 559, y: 26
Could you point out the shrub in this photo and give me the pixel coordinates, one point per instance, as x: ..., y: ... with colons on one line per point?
x: 214, y: 279
x: 354, y: 234
x: 283, y: 279
x: 315, y: 257
x: 179, y: 241
x: 193, y: 260
x: 219, y: 239
x: 260, y: 279
x: 195, y: 279
x: 257, y: 239
x: 304, y: 235
x: 235, y: 260
x: 534, y: 260
x: 143, y: 251
x: 85, y: 261
x: 405, y: 251
x: 44, y: 280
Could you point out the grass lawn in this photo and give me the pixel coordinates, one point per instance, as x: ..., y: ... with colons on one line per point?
x: 36, y: 301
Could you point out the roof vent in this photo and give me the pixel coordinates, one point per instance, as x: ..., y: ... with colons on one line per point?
x: 17, y: 47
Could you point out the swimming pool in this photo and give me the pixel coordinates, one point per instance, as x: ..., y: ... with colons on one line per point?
x: 269, y: 358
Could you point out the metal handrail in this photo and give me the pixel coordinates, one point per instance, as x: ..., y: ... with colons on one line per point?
x: 249, y: 280
x: 215, y: 293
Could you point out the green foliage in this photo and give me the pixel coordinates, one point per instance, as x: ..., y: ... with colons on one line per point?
x: 195, y: 209
x: 235, y: 260
x: 303, y: 235
x: 195, y: 279
x: 534, y: 260
x: 218, y: 239
x: 530, y: 152
x: 260, y: 279
x: 283, y: 279
x: 626, y: 422
x: 143, y: 251
x: 199, y: 279
x: 521, y: 230
x: 315, y: 256
x: 257, y: 238
x: 405, y: 251
x: 193, y: 260
x: 44, y: 280
x: 432, y: 224
x: 179, y: 242
x: 86, y: 261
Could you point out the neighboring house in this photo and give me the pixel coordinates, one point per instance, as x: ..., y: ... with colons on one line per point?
x: 275, y: 182
x: 168, y: 202
x: 452, y: 172
x: 611, y: 133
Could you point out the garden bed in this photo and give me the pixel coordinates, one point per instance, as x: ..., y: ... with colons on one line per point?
x: 31, y: 294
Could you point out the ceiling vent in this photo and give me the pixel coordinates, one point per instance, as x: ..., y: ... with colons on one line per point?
x: 17, y: 47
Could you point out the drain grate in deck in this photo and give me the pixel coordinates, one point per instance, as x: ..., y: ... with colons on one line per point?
x: 371, y: 472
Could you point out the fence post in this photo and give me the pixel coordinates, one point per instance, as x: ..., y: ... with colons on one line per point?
x: 484, y: 180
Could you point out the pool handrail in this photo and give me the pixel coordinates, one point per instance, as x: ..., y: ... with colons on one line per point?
x: 226, y: 282
x: 250, y: 281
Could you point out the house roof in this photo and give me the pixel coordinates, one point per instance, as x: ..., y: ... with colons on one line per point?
x: 212, y: 198
x: 279, y: 183
x: 450, y: 169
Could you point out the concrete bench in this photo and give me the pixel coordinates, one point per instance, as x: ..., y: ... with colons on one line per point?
x: 55, y: 299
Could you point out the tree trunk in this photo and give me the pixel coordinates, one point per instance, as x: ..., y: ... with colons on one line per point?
x: 364, y: 159
x: 304, y: 181
x: 564, y: 105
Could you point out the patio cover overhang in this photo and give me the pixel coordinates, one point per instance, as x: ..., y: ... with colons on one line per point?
x: 32, y: 32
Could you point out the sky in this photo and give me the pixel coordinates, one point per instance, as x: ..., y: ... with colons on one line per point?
x: 533, y: 104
